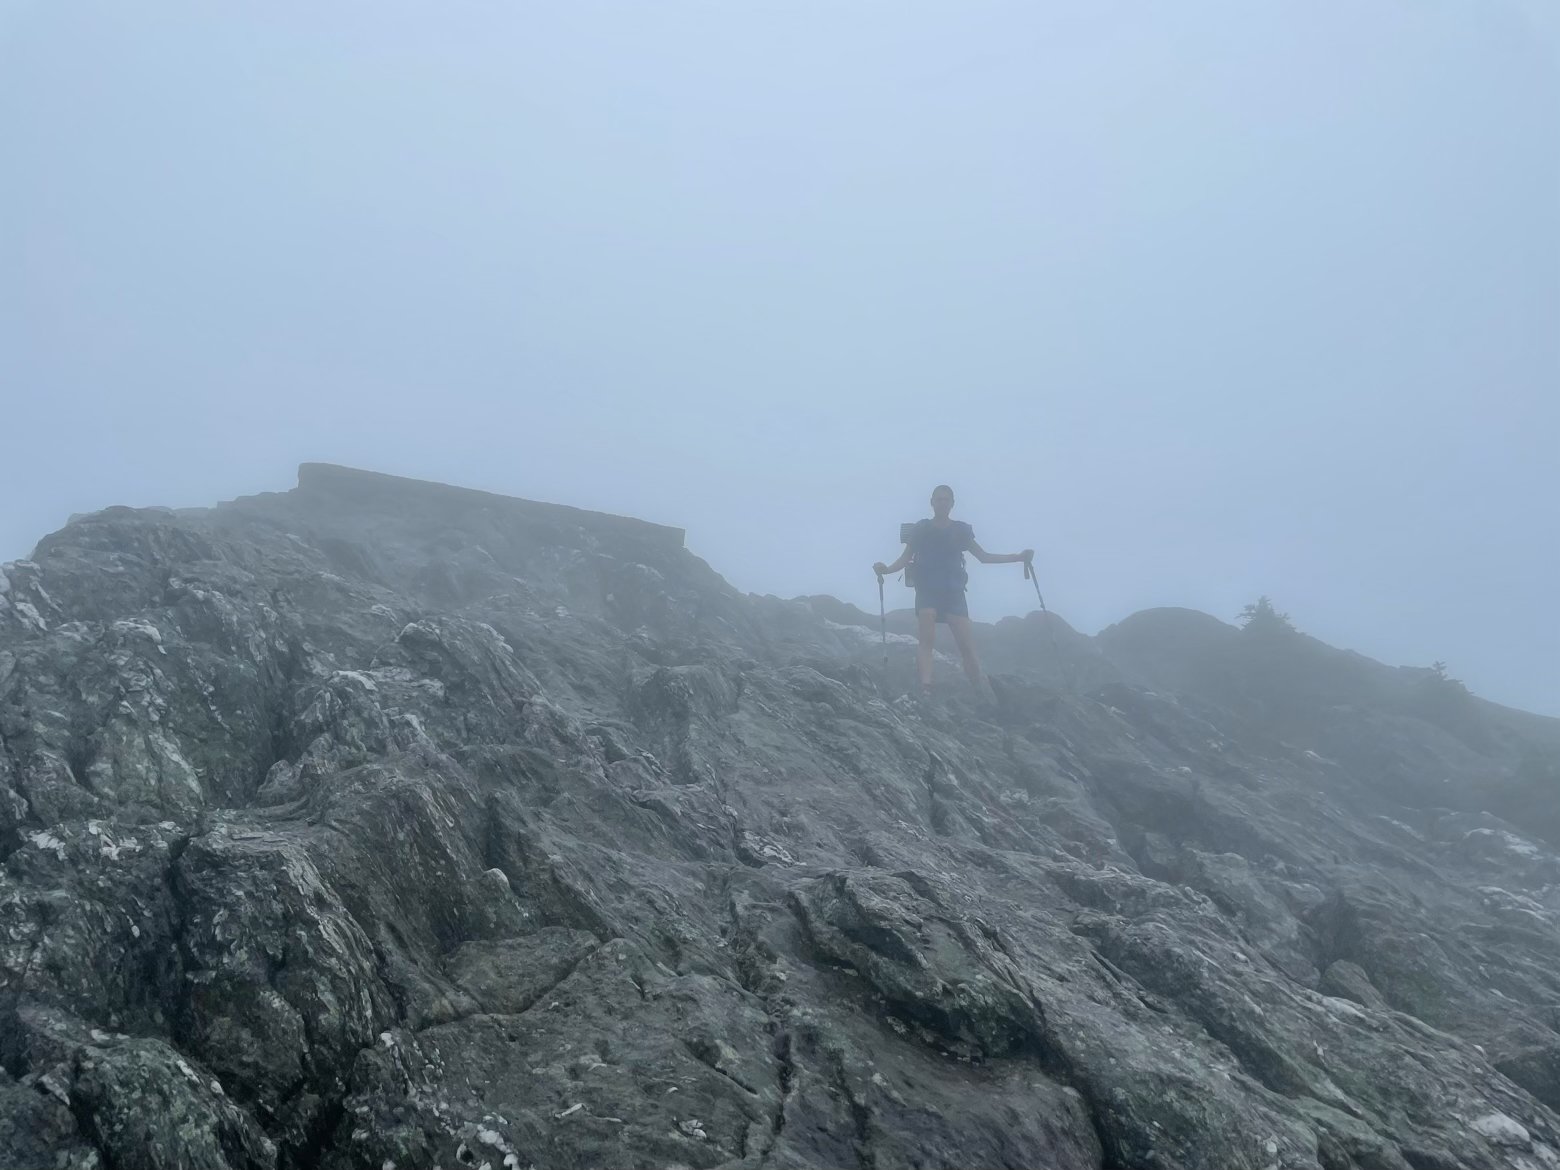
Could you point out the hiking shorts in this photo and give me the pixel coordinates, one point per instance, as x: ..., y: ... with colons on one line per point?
x: 947, y: 602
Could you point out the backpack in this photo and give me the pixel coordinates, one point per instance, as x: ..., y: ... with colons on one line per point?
x: 920, y: 574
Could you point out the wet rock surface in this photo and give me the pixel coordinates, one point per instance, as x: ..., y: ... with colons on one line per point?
x: 380, y: 823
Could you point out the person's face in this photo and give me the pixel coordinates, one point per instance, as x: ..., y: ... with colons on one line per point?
x: 942, y: 501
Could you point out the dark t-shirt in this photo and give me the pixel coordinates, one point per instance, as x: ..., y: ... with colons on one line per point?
x: 939, y: 554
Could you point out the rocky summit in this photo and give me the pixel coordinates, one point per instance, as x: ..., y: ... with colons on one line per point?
x: 380, y: 824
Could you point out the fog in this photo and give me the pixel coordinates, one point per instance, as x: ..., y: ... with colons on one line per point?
x: 1202, y: 301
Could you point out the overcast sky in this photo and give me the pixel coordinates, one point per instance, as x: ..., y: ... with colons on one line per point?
x: 1202, y: 300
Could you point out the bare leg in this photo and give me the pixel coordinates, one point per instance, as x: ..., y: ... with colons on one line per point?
x: 927, y: 621
x: 964, y: 636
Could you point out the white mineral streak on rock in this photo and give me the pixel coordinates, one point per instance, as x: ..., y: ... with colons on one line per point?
x: 1502, y: 1130
x: 43, y: 839
x: 1508, y: 841
x: 31, y: 616
x: 141, y: 627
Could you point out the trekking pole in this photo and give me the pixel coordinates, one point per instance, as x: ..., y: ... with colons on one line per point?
x: 1030, y: 574
x: 883, y: 622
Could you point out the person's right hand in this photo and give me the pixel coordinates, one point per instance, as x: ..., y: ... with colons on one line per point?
x: 880, y: 569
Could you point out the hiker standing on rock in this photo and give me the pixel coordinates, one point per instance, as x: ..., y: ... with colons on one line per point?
x: 934, y: 550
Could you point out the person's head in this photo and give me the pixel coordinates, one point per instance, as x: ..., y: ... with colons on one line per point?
x: 942, y: 500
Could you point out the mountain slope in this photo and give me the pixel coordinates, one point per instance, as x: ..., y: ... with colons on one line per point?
x: 380, y: 822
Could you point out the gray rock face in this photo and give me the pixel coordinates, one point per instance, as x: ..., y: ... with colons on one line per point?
x: 379, y: 823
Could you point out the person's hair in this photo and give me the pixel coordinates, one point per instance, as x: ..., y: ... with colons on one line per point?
x: 942, y: 487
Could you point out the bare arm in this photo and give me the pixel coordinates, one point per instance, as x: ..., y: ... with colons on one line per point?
x: 883, y: 570
x: 987, y: 558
